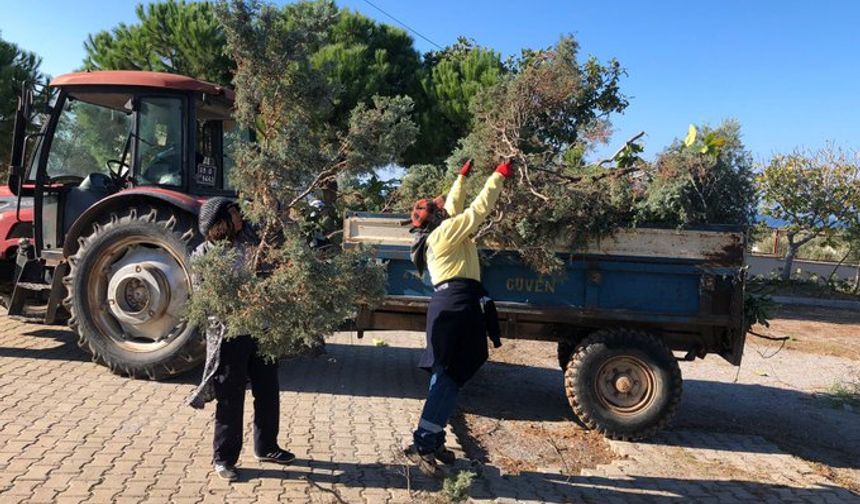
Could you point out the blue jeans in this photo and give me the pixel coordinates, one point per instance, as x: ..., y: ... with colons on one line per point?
x: 440, y: 404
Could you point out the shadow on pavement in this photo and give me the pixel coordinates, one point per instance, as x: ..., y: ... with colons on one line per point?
x: 790, y: 418
x: 548, y: 487
x: 68, y: 350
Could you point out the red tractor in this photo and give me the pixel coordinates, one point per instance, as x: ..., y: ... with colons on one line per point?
x: 115, y: 178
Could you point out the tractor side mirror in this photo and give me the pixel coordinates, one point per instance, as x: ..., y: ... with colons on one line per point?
x: 17, y: 170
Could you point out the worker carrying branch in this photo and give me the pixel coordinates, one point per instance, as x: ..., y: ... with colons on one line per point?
x: 460, y: 315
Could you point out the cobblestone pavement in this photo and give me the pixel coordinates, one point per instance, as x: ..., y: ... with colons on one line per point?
x: 70, y: 431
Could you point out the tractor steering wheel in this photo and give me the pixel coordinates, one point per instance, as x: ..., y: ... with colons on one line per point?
x: 117, y: 175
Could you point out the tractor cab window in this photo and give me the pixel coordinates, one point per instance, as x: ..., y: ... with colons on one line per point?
x: 208, y: 163
x: 217, y: 141
x: 87, y: 137
x: 160, y: 142
x: 218, y: 137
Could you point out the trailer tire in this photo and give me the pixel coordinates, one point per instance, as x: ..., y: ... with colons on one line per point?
x: 127, y: 284
x: 623, y: 383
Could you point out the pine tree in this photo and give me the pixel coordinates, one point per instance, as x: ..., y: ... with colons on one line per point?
x: 173, y: 36
x: 450, y: 78
x: 18, y: 69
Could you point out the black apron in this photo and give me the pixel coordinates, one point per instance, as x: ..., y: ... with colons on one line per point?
x: 456, y: 330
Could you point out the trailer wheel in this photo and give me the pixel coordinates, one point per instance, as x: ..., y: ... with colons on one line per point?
x: 128, y: 283
x: 623, y: 383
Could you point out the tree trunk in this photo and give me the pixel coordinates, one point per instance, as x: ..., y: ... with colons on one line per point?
x: 789, y: 260
x: 857, y: 279
x: 330, y: 213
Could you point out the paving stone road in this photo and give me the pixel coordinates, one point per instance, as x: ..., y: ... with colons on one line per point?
x: 70, y: 431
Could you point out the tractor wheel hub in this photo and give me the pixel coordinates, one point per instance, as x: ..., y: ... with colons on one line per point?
x: 138, y: 293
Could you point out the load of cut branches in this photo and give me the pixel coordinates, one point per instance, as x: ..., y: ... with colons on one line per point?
x: 546, y: 114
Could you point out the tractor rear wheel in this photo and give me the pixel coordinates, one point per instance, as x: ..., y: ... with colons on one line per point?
x: 128, y: 284
x: 626, y: 384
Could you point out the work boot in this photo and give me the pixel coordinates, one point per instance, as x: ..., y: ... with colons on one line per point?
x: 426, y: 462
x: 226, y: 472
x: 445, y: 455
x: 278, y: 456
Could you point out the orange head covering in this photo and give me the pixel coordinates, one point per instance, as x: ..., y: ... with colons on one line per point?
x: 424, y: 209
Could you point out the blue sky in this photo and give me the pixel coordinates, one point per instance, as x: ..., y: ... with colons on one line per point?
x: 788, y: 70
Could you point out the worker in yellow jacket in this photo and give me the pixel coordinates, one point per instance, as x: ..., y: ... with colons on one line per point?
x: 456, y: 328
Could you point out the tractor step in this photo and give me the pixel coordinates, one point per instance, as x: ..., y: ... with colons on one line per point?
x: 37, y: 301
x: 34, y: 286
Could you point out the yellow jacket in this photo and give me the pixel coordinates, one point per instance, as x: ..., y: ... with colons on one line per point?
x: 451, y: 248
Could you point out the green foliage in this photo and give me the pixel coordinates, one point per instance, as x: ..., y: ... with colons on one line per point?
x: 18, y: 68
x: 456, y: 487
x: 706, y: 179
x: 302, y: 298
x: 296, y: 295
x: 757, y: 309
x: 171, y: 36
x: 422, y: 181
x: 358, y: 57
x: 544, y: 114
x: 367, y: 193
x: 362, y: 58
x: 814, y: 193
x: 802, y: 284
x: 450, y: 79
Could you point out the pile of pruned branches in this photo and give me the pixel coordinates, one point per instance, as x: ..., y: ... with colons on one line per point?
x: 546, y: 114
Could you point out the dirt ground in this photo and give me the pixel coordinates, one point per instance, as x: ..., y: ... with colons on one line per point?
x: 822, y: 331
x: 546, y: 439
x: 550, y: 442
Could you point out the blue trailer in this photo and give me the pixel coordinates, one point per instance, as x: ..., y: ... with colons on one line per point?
x: 623, y: 312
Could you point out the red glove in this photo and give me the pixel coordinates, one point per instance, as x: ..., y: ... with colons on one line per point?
x: 464, y: 171
x: 505, y: 169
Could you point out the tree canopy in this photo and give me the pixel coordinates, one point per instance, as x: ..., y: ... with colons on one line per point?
x: 18, y: 69
x: 814, y: 193
x: 172, y: 36
x: 705, y: 179
x: 450, y: 79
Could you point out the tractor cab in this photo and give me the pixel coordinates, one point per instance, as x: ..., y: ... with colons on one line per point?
x: 117, y: 173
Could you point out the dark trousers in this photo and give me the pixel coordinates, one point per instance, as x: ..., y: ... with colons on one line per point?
x: 239, y: 362
x: 440, y: 404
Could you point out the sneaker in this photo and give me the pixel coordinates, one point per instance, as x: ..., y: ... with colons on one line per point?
x: 278, y: 456
x: 445, y: 455
x: 426, y: 462
x: 226, y: 472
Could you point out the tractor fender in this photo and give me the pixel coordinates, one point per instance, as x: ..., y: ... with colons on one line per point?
x: 123, y: 199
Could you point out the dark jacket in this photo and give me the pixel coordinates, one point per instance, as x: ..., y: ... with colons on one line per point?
x: 456, y: 330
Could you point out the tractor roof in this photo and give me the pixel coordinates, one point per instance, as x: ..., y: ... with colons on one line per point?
x: 140, y: 78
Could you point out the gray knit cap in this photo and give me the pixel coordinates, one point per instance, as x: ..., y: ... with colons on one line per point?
x: 212, y: 210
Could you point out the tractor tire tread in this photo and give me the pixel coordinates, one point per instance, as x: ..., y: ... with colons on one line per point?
x: 186, y: 357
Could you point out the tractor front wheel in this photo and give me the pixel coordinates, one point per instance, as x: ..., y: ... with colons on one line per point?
x: 128, y: 284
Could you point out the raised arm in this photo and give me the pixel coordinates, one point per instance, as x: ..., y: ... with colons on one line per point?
x: 457, y: 195
x: 460, y: 227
